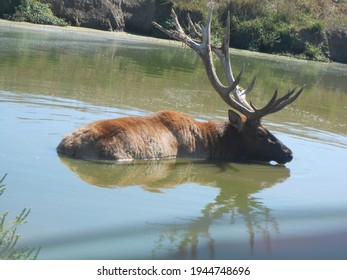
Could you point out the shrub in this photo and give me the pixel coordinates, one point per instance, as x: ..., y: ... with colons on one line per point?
x: 278, y: 26
x: 9, y: 235
x: 36, y: 12
x: 314, y: 52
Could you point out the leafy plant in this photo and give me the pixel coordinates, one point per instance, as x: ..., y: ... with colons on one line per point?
x: 36, y: 12
x: 9, y: 236
x: 315, y: 52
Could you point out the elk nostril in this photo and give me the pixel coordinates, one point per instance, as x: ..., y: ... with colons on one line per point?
x: 287, y: 150
x: 289, y: 154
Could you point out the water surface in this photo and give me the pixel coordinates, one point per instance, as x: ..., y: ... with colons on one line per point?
x: 54, y: 80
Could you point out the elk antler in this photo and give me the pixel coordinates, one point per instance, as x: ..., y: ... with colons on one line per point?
x: 202, y: 45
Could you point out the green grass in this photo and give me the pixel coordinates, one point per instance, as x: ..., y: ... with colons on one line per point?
x: 276, y: 26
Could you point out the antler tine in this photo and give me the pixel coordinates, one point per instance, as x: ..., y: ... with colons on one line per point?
x: 282, y: 99
x: 286, y: 99
x: 179, y: 33
x: 239, y: 93
x: 262, y: 112
x: 286, y: 96
x: 177, y: 23
x: 244, y: 92
x: 224, y: 56
x: 237, y: 81
x: 193, y: 28
x: 250, y: 87
x: 276, y: 104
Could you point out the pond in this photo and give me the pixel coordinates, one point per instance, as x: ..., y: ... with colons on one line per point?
x: 53, y: 80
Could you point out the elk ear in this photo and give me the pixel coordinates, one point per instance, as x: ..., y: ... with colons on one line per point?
x: 236, y: 120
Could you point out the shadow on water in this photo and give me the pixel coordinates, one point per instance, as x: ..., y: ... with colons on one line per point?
x: 236, y: 184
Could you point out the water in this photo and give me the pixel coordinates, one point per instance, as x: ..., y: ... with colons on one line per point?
x: 54, y: 80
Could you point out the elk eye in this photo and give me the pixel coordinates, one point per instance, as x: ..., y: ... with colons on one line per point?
x: 260, y: 134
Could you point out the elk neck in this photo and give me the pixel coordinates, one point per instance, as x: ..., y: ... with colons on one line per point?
x: 218, y: 140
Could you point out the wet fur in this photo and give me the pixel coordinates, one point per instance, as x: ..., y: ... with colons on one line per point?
x: 166, y: 134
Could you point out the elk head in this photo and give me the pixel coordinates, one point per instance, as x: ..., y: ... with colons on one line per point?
x: 257, y: 142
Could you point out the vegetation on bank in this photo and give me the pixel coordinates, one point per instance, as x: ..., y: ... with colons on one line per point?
x: 9, y: 236
x: 35, y: 11
x: 293, y: 27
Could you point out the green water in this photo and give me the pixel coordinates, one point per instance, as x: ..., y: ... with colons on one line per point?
x: 54, y: 80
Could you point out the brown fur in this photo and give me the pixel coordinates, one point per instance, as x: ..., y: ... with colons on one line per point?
x: 166, y: 134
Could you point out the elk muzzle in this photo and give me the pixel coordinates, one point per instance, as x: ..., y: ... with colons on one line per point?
x: 285, y: 156
x: 281, y: 154
x: 259, y: 144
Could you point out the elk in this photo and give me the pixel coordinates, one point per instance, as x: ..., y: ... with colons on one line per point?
x: 169, y: 134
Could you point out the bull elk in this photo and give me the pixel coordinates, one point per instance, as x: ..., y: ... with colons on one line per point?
x: 169, y: 134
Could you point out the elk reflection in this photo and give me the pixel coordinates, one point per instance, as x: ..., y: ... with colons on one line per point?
x: 233, y: 204
x: 235, y: 201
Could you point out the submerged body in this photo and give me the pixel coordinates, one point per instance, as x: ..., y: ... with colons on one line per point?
x: 166, y: 134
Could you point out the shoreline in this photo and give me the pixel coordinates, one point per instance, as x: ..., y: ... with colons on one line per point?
x: 147, y: 39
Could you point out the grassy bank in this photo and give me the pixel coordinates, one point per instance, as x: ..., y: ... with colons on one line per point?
x: 294, y: 27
